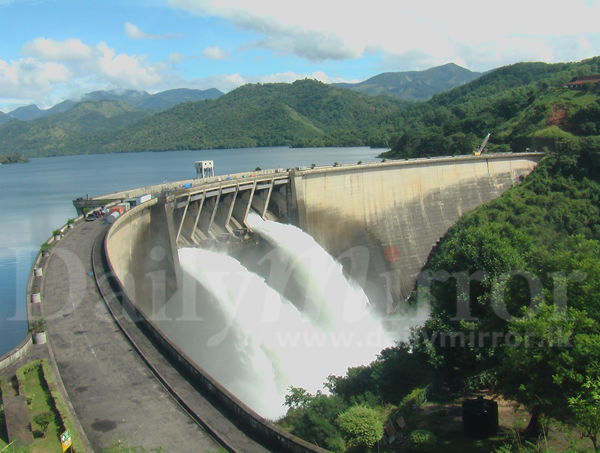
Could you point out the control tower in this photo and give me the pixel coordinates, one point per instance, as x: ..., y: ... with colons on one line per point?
x: 205, y: 168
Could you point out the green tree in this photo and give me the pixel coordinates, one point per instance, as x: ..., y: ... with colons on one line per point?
x: 551, y: 353
x: 361, y: 426
x: 586, y: 407
x: 43, y: 420
x: 312, y: 418
x: 297, y: 397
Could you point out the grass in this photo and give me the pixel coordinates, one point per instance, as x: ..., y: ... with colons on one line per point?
x: 62, y: 409
x: 37, y: 384
x: 4, y: 390
x: 33, y: 385
x: 12, y: 448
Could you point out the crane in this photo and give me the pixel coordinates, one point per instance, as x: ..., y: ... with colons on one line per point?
x: 482, y: 147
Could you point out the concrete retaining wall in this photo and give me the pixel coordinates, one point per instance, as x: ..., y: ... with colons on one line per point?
x: 20, y: 351
x: 359, y: 212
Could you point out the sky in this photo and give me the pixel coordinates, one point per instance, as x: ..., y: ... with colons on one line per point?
x: 52, y: 50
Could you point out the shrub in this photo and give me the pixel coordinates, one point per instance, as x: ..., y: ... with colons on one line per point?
x: 413, y: 402
x: 56, y: 232
x: 257, y: 169
x: 335, y: 164
x: 43, y: 420
x: 335, y: 445
x: 422, y: 440
x: 45, y: 247
x: 313, y: 165
x: 38, y: 326
x: 359, y: 162
x: 361, y: 425
x: 70, y: 221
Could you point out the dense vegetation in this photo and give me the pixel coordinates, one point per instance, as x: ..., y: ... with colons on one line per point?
x: 544, y: 232
x: 13, y: 159
x: 63, y: 133
x: 513, y: 291
x: 414, y: 85
x: 304, y: 113
x: 522, y: 106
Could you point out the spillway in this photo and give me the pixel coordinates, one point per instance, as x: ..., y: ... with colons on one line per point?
x: 255, y: 341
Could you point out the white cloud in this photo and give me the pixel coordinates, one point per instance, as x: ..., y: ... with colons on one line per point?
x: 228, y: 82
x: 277, y: 34
x: 71, y: 67
x: 418, y: 34
x: 289, y: 77
x: 584, y: 42
x: 130, y: 71
x: 56, y: 73
x: 133, y: 32
x: 175, y: 58
x: 215, y: 53
x: 29, y: 79
x: 70, y: 49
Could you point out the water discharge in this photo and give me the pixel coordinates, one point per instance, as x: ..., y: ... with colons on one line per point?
x: 255, y: 341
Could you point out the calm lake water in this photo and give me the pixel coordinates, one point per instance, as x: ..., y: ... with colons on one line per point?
x: 36, y: 198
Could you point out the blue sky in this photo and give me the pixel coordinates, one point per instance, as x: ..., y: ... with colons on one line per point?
x: 51, y: 50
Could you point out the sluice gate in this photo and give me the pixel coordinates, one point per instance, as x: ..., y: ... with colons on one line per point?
x: 215, y: 215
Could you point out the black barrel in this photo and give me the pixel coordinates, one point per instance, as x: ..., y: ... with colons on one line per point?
x: 480, y: 418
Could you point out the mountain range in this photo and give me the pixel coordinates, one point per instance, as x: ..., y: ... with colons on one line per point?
x: 306, y: 112
x: 521, y: 105
x: 409, y: 86
x: 137, y: 99
x: 414, y: 85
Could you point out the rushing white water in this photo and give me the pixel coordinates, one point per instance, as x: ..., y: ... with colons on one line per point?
x: 257, y: 343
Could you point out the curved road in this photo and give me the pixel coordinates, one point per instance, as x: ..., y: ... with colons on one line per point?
x: 113, y: 392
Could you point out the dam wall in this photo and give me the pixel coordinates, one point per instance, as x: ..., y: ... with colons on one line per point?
x: 382, y: 220
x: 379, y: 220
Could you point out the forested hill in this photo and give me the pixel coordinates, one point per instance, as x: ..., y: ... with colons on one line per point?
x: 522, y: 105
x: 54, y: 134
x: 414, y: 85
x: 304, y: 113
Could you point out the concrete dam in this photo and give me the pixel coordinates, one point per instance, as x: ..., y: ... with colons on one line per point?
x: 379, y: 220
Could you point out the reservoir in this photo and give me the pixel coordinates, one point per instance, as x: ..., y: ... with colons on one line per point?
x: 37, y: 198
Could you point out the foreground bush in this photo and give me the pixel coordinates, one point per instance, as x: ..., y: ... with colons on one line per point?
x: 422, y: 440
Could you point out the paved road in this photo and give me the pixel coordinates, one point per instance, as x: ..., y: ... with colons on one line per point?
x: 114, y: 394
